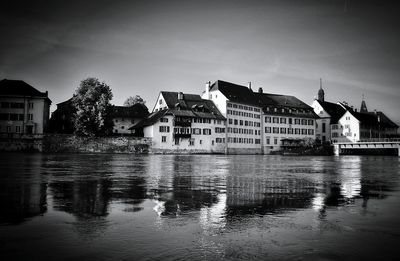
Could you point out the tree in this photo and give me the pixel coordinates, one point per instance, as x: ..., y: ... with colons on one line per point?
x: 93, y: 109
x: 133, y: 100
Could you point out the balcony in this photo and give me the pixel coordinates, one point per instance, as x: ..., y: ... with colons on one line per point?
x: 182, y: 123
x: 182, y: 135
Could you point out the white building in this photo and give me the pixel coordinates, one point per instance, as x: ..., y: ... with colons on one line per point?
x: 327, y: 128
x: 184, y: 123
x: 23, y: 109
x: 260, y: 122
x: 340, y: 122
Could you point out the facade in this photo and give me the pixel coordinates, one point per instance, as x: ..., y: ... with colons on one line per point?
x: 340, y: 122
x: 184, y: 123
x: 61, y: 120
x: 260, y: 122
x: 125, y: 116
x: 23, y: 109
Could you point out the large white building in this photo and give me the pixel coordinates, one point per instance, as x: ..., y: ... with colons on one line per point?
x: 260, y: 122
x: 184, y: 123
x: 23, y: 109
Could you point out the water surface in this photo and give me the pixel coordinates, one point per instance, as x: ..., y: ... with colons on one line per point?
x: 198, y: 207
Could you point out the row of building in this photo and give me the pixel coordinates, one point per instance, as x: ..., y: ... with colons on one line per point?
x: 224, y: 118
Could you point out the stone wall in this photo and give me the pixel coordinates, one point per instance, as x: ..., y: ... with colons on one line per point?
x: 53, y: 143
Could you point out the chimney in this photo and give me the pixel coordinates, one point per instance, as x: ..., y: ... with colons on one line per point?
x: 208, y: 84
x: 180, y: 95
x: 260, y: 90
x: 249, y: 85
x: 375, y: 111
x: 355, y: 109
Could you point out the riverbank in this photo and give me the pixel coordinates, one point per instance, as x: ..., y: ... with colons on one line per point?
x: 64, y: 143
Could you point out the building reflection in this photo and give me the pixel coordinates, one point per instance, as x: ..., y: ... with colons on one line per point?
x: 261, y: 196
x: 22, y: 191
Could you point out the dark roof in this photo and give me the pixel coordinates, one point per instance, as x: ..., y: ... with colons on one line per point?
x: 19, y: 88
x: 242, y: 94
x: 192, y: 105
x: 137, y: 110
x: 150, y: 119
x: 335, y: 110
x: 374, y: 119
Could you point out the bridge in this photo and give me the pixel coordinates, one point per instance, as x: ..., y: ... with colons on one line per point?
x: 369, y: 144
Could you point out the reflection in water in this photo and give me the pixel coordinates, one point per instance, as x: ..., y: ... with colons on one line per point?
x: 204, y: 195
x: 22, y: 190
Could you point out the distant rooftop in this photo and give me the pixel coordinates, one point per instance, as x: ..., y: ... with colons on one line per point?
x: 19, y: 88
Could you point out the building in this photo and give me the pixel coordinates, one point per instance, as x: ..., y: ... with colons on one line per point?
x: 61, y: 120
x: 23, y: 109
x: 340, y: 122
x: 184, y: 123
x: 329, y: 114
x: 125, y: 116
x: 355, y: 126
x: 259, y: 122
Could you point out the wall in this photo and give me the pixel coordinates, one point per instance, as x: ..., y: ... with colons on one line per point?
x: 54, y: 143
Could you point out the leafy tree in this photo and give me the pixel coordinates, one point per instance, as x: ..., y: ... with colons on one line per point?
x: 133, y: 100
x: 93, y: 109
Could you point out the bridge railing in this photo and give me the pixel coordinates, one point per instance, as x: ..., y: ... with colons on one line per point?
x: 371, y: 140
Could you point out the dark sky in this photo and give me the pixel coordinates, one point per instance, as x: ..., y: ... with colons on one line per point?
x: 142, y: 47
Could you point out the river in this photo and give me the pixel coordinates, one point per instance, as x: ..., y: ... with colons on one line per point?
x: 198, y: 207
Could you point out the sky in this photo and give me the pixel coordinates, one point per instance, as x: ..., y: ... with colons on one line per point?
x: 144, y: 47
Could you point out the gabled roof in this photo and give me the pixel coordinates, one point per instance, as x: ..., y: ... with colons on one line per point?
x: 150, y: 119
x: 242, y: 94
x: 237, y: 93
x: 20, y: 88
x: 135, y: 111
x: 191, y: 105
x: 374, y: 119
x: 334, y: 110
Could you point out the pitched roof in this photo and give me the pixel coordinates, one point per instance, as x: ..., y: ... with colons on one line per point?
x: 374, y: 119
x: 335, y: 110
x: 191, y: 105
x: 149, y: 120
x: 19, y: 88
x: 242, y: 94
x: 135, y: 111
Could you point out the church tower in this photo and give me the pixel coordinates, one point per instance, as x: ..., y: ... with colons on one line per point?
x: 363, y: 105
x: 321, y: 93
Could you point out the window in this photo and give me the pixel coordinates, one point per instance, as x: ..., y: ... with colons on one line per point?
x: 201, y: 142
x: 163, y: 138
x: 13, y: 117
x: 219, y: 130
x: 236, y: 122
x: 283, y: 130
x: 304, y: 131
x: 257, y: 141
x: 323, y: 127
x: 164, y: 128
x: 241, y: 122
x: 177, y: 141
x: 275, y: 141
x: 5, y: 105
x: 163, y: 119
x: 206, y: 131
x: 275, y: 130
x: 160, y: 101
x: 267, y: 141
x: 297, y: 131
x: 30, y: 117
x: 191, y: 142
x: 122, y: 127
x: 267, y: 129
x: 310, y: 122
x: 303, y: 122
x: 267, y: 119
x: 290, y: 120
x: 18, y: 129
x: 18, y: 105
x: 310, y: 132
x: 196, y: 131
x: 283, y: 120
x: 275, y: 120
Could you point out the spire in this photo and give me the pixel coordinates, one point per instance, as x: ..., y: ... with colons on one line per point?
x: 321, y: 93
x: 363, y: 105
